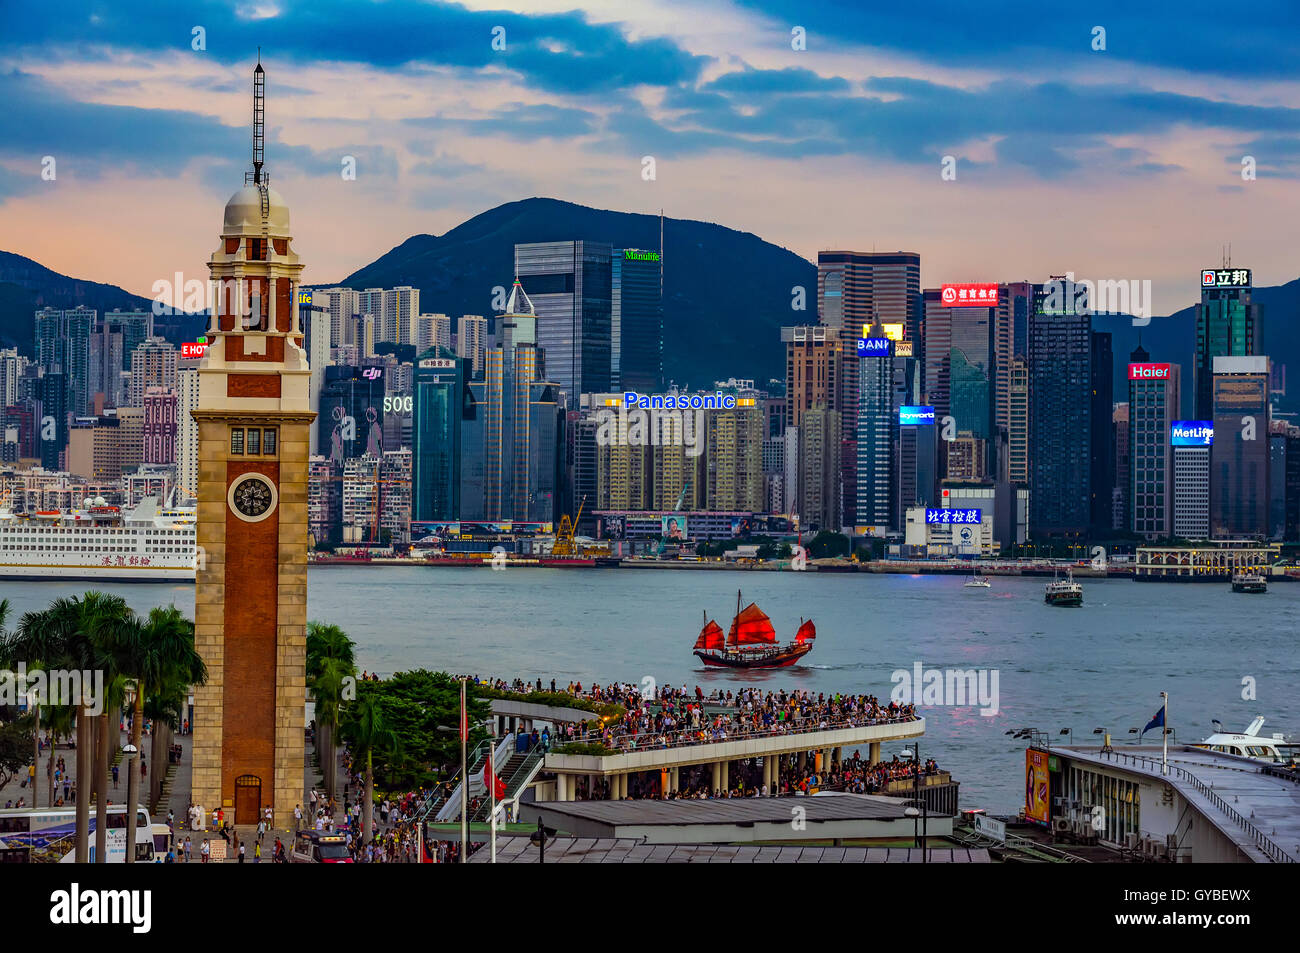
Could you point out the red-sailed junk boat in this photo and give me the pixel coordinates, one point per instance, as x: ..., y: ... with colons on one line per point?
x: 751, y: 643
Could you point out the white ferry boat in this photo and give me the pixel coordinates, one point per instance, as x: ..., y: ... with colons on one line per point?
x: 150, y: 543
x: 1251, y: 744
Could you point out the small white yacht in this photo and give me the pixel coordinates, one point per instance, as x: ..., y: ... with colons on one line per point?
x: 1249, y: 744
x: 977, y: 581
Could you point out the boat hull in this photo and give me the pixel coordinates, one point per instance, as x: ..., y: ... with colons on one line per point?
x: 1067, y: 600
x: 1254, y: 588
x: 780, y: 659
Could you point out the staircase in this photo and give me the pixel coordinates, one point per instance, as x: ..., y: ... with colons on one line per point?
x: 516, y: 773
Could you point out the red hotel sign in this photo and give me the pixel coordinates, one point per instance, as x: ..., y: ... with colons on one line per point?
x: 192, y: 349
x: 1148, y: 372
x: 982, y: 295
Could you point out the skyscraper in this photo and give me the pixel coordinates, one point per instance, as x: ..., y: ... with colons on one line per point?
x: 636, y: 321
x: 471, y: 343
x: 1227, y: 325
x: 819, y: 505
x: 812, y: 369
x: 1060, y: 414
x: 570, y: 287
x: 438, y: 404
x: 1102, y: 478
x: 1153, y: 394
x: 961, y: 373
x: 62, y: 341
x: 1239, y: 477
x: 853, y: 290
x: 153, y: 364
x: 877, y: 428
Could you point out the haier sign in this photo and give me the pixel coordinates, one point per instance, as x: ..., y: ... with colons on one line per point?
x: 915, y: 416
x: 875, y: 347
x: 1149, y: 372
x: 1191, y: 433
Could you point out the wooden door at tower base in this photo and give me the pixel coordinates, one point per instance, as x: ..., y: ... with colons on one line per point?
x: 248, y: 799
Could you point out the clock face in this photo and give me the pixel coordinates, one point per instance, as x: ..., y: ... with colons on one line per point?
x: 252, y: 497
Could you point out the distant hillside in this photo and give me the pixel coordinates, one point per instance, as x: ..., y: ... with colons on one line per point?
x: 26, y: 287
x: 726, y: 293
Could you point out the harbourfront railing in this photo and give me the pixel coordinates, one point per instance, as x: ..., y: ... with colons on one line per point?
x: 693, y: 737
x: 1262, y: 840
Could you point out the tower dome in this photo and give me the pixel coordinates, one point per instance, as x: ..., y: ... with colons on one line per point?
x: 244, y: 213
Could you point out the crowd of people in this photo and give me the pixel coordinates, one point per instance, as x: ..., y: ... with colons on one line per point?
x: 663, y: 716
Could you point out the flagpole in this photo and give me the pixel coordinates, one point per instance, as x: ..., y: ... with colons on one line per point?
x: 464, y: 776
x: 1164, y: 736
x: 492, y: 785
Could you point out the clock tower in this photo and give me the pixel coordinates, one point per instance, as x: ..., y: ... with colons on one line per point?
x: 254, y: 417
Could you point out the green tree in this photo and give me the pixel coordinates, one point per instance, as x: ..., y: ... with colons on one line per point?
x: 331, y: 672
x: 828, y: 543
x: 159, y: 656
x: 69, y: 636
x: 366, y: 732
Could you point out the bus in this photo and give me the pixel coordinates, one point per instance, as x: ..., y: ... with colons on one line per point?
x: 47, y: 835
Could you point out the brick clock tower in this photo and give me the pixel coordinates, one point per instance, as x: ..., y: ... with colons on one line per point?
x: 254, y: 417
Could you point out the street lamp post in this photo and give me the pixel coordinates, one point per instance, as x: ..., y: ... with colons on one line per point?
x: 923, y: 814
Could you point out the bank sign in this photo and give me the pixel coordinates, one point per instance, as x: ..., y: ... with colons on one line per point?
x: 875, y: 347
x: 1191, y: 433
x: 915, y: 416
x: 1225, y: 278
x: 952, y: 516
x: 982, y: 295
x: 1149, y: 372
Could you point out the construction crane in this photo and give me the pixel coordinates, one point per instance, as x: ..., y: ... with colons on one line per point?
x: 564, y: 541
x: 681, y: 499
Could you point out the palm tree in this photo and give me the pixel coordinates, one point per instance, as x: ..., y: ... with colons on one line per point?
x: 159, y: 654
x: 67, y: 636
x: 330, y: 661
x: 366, y: 732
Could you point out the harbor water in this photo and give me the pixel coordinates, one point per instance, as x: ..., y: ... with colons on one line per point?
x: 1219, y: 655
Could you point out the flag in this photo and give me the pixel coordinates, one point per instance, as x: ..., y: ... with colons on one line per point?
x: 1157, y: 721
x: 493, y: 783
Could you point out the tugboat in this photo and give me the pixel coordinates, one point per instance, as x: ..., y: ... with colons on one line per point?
x: 1064, y: 592
x: 1249, y: 582
x: 751, y: 643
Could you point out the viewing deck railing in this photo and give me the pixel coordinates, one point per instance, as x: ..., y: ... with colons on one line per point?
x: 691, y: 737
x: 1262, y: 840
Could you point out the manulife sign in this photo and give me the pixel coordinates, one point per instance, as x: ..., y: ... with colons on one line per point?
x: 634, y: 254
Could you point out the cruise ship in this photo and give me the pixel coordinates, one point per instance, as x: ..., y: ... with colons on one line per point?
x: 150, y: 543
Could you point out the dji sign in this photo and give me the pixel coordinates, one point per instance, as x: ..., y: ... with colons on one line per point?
x: 1149, y: 372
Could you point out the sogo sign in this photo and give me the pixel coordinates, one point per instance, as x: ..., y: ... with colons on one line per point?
x: 1148, y: 372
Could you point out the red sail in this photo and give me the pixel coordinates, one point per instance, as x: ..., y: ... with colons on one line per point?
x: 807, y: 632
x: 710, y: 637
x: 751, y: 627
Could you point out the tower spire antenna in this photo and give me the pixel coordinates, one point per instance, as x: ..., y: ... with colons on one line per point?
x: 259, y: 118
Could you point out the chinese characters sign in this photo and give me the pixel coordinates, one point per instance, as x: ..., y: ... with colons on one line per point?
x: 970, y: 296
x: 952, y: 516
x: 1225, y: 278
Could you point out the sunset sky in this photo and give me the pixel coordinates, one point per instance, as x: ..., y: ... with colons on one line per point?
x: 1119, y: 163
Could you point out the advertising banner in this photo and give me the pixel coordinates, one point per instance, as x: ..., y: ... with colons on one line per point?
x: 674, y: 527
x: 909, y: 416
x: 1191, y: 433
x: 1037, y: 787
x: 981, y: 294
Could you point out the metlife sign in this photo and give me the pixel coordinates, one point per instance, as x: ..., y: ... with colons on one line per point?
x: 1191, y: 433
x: 875, y: 347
